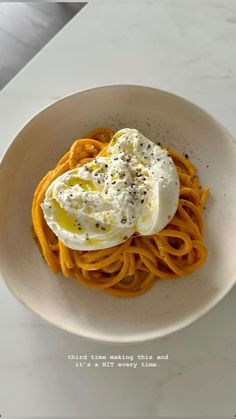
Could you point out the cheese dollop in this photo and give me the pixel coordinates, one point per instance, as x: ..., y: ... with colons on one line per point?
x: 133, y: 189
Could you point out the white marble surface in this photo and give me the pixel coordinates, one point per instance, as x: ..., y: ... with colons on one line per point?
x: 187, y: 47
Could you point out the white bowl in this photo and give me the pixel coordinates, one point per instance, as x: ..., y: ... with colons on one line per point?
x: 171, y: 304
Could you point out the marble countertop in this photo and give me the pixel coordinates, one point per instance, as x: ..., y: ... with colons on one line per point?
x: 184, y: 46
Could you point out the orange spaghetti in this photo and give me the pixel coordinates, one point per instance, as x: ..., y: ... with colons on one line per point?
x: 130, y: 268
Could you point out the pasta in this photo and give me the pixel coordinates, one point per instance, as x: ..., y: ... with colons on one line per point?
x: 130, y: 268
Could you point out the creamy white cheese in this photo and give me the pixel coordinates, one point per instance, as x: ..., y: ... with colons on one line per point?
x: 135, y: 188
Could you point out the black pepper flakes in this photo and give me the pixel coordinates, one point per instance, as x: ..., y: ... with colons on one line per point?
x: 186, y: 156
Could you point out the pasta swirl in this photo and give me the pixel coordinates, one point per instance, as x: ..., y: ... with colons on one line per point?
x: 131, y: 268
